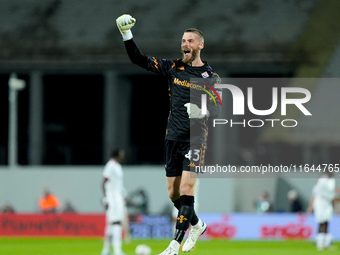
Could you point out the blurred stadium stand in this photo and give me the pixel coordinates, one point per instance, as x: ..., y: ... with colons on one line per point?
x: 84, y: 97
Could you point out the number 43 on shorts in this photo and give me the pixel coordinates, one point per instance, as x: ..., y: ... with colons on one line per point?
x: 193, y: 154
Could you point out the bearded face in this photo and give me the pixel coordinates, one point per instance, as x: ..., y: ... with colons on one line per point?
x: 189, y: 55
x: 190, y: 47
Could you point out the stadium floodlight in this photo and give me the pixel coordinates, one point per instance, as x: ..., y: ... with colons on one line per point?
x: 15, y: 85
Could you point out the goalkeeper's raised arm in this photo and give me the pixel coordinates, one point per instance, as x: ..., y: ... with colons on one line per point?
x: 152, y: 64
x: 124, y: 24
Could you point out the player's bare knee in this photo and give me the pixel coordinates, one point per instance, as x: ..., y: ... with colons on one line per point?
x: 187, y: 189
x: 173, y: 195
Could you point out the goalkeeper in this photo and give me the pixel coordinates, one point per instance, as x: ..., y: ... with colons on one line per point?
x: 186, y: 133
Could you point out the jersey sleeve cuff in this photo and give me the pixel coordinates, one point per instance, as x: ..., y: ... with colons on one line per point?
x: 127, y: 36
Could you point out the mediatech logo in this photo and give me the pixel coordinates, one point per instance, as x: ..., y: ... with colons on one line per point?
x: 239, y: 105
x: 202, y: 86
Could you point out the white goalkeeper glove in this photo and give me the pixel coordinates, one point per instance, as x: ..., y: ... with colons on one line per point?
x: 195, y: 112
x: 124, y: 23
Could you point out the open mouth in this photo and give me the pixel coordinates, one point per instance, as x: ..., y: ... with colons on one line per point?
x: 186, y: 52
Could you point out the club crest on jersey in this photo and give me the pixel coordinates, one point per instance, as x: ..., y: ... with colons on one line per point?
x: 205, y: 75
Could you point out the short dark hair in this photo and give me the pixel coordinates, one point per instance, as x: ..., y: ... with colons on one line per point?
x: 196, y: 31
x: 115, y: 153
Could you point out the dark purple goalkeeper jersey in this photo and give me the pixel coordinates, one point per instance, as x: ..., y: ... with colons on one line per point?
x: 185, y: 84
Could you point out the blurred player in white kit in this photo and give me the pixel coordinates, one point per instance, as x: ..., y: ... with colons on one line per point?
x: 114, y: 203
x: 322, y: 206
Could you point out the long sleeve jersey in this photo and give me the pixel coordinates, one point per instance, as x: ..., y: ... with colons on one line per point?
x: 186, y: 84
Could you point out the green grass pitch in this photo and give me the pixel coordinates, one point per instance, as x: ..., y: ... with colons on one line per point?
x: 92, y: 246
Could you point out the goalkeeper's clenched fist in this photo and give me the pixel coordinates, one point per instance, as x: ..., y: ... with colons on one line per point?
x: 124, y: 23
